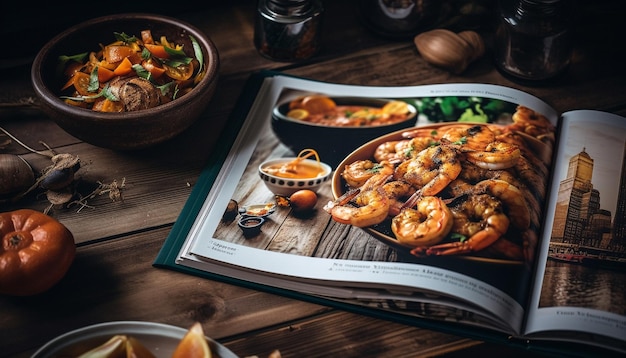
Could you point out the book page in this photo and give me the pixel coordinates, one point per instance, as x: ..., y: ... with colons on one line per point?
x: 315, y: 252
x: 583, y: 285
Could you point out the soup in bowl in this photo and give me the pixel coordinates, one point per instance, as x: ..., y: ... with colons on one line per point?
x: 334, y: 126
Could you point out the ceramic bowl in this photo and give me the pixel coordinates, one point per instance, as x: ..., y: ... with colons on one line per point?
x: 160, y: 339
x: 332, y: 143
x: 287, y: 186
x: 131, y: 129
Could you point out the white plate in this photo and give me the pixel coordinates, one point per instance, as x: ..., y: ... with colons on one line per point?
x: 160, y: 339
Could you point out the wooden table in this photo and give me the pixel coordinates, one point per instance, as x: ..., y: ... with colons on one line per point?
x: 112, y: 277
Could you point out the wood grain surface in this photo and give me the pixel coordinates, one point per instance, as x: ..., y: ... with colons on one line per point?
x: 113, y: 278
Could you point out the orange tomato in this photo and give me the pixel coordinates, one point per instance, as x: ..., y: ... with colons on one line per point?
x: 80, y: 81
x: 36, y: 252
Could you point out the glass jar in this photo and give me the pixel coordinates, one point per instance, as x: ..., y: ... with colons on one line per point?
x: 533, y: 38
x: 288, y: 30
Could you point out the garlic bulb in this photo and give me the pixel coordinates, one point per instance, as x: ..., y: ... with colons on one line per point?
x: 16, y: 175
x: 449, y: 50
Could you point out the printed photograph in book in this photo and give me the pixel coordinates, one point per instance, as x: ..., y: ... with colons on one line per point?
x: 586, y: 264
x: 462, y: 191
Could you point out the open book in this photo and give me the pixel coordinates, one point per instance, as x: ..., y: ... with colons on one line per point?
x: 531, y: 251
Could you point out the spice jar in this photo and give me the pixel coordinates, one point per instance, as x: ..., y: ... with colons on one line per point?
x: 288, y: 30
x: 533, y: 39
x: 399, y: 18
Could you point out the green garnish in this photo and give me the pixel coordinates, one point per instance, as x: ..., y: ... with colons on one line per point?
x: 198, y: 52
x: 120, y: 36
x: 94, y: 84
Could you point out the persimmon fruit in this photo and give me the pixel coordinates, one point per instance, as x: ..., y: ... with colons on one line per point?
x: 36, y: 251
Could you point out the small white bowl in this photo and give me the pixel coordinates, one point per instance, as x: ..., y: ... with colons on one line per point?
x: 287, y: 186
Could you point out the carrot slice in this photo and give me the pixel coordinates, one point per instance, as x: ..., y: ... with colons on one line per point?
x: 104, y: 74
x: 124, y: 67
x: 157, y: 50
x: 111, y: 106
x: 146, y: 37
x: 116, y: 53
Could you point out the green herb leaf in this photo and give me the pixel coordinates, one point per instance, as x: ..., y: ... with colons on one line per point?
x: 456, y: 236
x: 63, y: 60
x: 176, y: 62
x: 198, y: 52
x: 167, y: 88
x: 106, y: 92
x: 120, y: 36
x: 145, y: 54
x: 174, y: 52
x: 94, y: 84
x: 142, y: 72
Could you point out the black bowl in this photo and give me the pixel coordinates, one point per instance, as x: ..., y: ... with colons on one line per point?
x: 332, y: 144
x: 125, y: 130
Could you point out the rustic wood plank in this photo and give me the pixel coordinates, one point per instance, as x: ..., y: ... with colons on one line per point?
x: 341, y: 334
x: 117, y: 277
x: 113, y: 279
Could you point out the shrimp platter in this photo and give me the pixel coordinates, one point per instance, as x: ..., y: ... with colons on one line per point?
x: 450, y: 189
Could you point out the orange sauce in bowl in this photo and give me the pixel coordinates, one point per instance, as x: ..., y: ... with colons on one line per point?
x: 295, y: 169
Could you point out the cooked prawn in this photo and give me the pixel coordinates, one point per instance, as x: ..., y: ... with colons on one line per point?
x: 357, y: 173
x: 511, y: 197
x: 397, y: 192
x: 387, y: 150
x: 534, y: 180
x: 426, y: 224
x: 474, y: 174
x: 531, y: 122
x: 431, y: 170
x: 475, y: 137
x: 372, y: 204
x: 479, y: 218
x: 398, y: 151
x: 495, y: 155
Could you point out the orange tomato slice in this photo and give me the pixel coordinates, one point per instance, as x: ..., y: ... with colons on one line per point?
x: 154, y: 70
x: 180, y: 73
x: 318, y: 104
x: 80, y: 81
x: 396, y: 107
x: 298, y: 113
